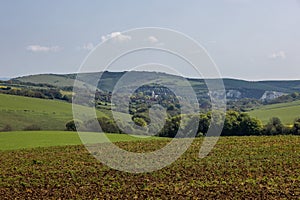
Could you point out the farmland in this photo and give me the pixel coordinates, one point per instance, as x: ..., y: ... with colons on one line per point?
x: 287, y: 112
x: 237, y: 168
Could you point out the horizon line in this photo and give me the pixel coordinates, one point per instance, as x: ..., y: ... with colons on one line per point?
x: 5, y: 78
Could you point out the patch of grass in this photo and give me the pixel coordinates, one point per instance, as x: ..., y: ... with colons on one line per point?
x: 287, y: 112
x: 33, y: 139
x: 237, y: 168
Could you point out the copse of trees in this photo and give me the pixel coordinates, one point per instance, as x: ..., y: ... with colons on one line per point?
x: 239, y: 124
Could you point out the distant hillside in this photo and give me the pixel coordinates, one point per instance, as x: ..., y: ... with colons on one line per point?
x: 287, y: 112
x: 235, y: 89
x: 50, y: 79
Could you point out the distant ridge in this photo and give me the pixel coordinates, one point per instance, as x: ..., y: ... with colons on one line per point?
x: 235, y: 88
x: 4, y: 78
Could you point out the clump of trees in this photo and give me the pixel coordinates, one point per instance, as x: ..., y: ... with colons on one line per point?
x: 235, y: 124
x: 274, y: 127
x: 241, y: 124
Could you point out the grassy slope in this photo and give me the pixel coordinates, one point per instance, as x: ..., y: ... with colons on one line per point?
x: 287, y: 112
x: 32, y: 139
x: 20, y: 112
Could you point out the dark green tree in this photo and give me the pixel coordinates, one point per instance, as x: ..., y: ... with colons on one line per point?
x: 274, y: 127
x: 296, y: 127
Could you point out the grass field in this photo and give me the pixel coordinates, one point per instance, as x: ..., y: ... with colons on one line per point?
x: 20, y: 112
x: 32, y: 139
x: 237, y: 168
x: 287, y: 112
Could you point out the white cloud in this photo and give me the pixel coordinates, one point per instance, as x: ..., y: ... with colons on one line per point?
x: 88, y: 46
x: 39, y: 48
x: 116, y: 36
x: 278, y: 55
x: 152, y: 39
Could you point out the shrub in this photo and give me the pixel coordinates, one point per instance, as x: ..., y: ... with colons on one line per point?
x: 73, y: 125
x: 32, y: 127
x: 140, y: 122
x: 296, y: 127
x: 6, y: 128
x: 108, y: 125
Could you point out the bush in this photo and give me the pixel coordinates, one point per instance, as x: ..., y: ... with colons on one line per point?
x: 6, y: 128
x: 73, y: 125
x: 140, y: 122
x: 32, y: 127
x: 108, y: 125
x: 296, y: 127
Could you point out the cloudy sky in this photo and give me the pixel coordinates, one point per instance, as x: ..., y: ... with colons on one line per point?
x: 247, y: 39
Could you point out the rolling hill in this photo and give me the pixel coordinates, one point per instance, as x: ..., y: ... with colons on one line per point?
x: 24, y: 113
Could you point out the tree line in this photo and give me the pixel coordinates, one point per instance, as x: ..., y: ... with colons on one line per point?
x: 235, y: 124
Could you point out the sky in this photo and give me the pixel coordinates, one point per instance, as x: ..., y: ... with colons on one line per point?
x: 247, y: 39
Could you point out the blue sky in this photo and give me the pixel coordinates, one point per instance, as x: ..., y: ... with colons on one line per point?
x: 248, y: 39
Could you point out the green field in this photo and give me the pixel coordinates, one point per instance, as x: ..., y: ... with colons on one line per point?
x: 32, y: 139
x: 237, y: 168
x: 287, y: 112
x: 21, y: 112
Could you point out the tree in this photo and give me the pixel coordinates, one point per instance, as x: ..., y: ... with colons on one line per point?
x: 274, y: 127
x: 250, y: 126
x: 171, y: 126
x: 204, y: 122
x: 296, y: 127
x: 231, y: 124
